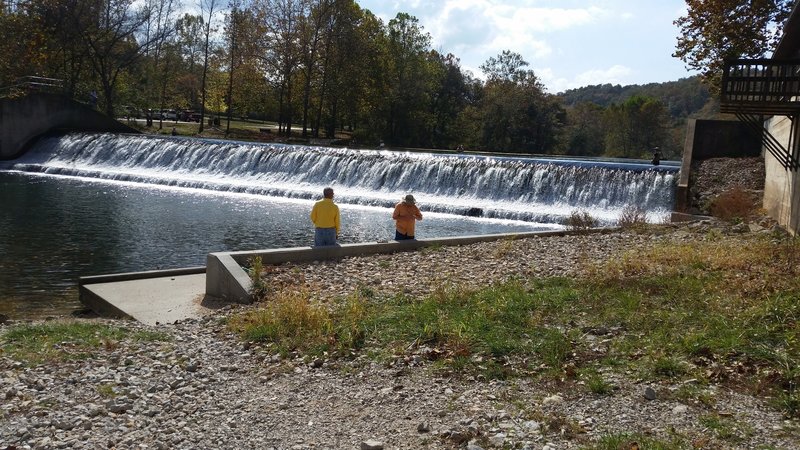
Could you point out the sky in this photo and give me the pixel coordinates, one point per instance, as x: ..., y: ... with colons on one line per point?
x: 567, y: 43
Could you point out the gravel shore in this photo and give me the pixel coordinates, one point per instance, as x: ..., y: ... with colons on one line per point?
x: 205, y: 389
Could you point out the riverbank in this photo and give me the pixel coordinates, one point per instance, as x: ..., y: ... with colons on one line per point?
x: 196, y: 384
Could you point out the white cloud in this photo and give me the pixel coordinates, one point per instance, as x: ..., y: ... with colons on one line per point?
x: 565, y: 37
x: 616, y: 74
x: 476, y: 30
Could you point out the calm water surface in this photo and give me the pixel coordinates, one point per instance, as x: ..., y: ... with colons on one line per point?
x: 56, y: 229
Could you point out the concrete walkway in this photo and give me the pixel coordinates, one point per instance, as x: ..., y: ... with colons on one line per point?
x: 160, y: 300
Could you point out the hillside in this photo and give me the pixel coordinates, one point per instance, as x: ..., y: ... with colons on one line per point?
x: 684, y: 98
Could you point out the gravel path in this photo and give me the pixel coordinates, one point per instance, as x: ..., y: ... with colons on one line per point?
x: 205, y: 389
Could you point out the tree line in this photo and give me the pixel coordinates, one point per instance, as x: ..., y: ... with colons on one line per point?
x: 319, y: 68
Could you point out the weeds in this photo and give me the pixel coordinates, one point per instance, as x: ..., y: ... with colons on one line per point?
x: 598, y: 385
x: 668, y: 367
x: 723, y: 428
x: 632, y: 217
x: 580, y: 221
x: 259, y: 288
x: 638, y: 441
x: 504, y: 248
x: 290, y: 321
x: 735, y: 204
x: 688, y: 393
x: 106, y: 390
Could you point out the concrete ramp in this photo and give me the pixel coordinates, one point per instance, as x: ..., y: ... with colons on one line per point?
x: 157, y: 297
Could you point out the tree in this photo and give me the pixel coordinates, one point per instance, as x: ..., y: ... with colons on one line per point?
x: 448, y: 100
x: 113, y: 34
x: 190, y: 44
x: 206, y: 7
x: 715, y: 30
x: 409, y: 76
x: 516, y: 113
x: 279, y: 37
x: 507, y: 67
x: 236, y: 17
x: 585, y: 131
x: 635, y: 127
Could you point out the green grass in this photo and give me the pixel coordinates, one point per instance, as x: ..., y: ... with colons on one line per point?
x: 65, y: 340
x: 634, y: 441
x: 597, y: 384
x: 726, y: 429
x: 679, y: 311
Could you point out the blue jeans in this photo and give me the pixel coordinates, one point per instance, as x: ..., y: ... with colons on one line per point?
x: 324, y: 236
x: 398, y: 236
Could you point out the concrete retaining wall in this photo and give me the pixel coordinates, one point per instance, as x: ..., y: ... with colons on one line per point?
x: 724, y: 139
x: 782, y: 186
x: 24, y: 119
x: 712, y: 139
x: 226, y: 278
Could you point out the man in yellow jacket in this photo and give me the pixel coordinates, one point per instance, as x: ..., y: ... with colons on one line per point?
x: 325, y: 216
x: 405, y: 215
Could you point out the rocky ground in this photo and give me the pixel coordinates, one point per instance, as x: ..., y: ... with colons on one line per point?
x: 204, y: 388
x: 711, y: 177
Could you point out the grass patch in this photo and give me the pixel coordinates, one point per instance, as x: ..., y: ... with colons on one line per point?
x: 691, y: 393
x: 64, y: 340
x: 667, y: 367
x: 725, y: 428
x: 580, y: 221
x: 598, y: 385
x: 106, y: 390
x: 632, y: 217
x: 291, y: 321
x: 638, y: 441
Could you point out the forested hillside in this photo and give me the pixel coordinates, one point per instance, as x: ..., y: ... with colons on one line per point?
x: 683, y: 98
x: 614, y: 120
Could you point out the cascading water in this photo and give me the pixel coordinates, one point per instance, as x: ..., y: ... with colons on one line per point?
x: 534, y: 190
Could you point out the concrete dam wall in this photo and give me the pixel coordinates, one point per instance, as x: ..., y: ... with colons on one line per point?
x: 24, y: 119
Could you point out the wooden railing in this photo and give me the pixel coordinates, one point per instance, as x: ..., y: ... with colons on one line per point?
x: 761, y: 86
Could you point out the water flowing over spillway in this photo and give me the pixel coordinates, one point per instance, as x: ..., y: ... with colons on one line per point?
x: 533, y: 190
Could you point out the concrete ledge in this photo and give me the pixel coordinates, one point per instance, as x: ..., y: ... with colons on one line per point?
x: 226, y: 278
x: 101, y: 293
x: 678, y: 216
x: 127, y: 276
x: 99, y: 304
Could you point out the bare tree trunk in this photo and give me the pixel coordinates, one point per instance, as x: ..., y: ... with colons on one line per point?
x: 210, y: 4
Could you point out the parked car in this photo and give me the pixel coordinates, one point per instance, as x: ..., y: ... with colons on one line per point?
x: 131, y: 112
x: 169, y: 114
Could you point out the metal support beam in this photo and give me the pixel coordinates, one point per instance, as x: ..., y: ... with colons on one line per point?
x: 788, y: 158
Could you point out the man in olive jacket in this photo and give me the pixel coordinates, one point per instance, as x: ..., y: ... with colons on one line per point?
x: 405, y: 215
